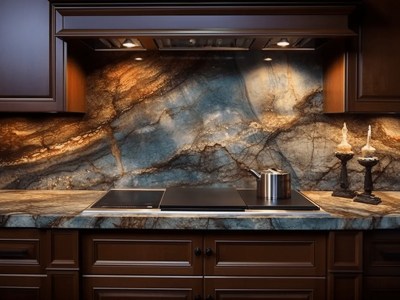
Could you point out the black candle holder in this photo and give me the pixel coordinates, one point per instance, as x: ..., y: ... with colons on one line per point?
x: 343, y: 189
x: 367, y: 196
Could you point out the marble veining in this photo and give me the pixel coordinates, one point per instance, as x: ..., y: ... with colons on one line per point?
x: 65, y: 209
x: 194, y: 119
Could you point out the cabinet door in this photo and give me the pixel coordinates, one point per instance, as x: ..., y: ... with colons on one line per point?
x: 27, y: 59
x: 361, y: 75
x: 264, y: 288
x: 266, y: 254
x: 374, y: 61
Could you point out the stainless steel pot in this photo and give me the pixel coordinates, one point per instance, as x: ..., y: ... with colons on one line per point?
x: 272, y: 184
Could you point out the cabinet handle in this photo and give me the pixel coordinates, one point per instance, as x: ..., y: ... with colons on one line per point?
x: 197, y: 252
x: 209, y: 251
x: 13, y: 254
x: 209, y: 297
x: 391, y: 256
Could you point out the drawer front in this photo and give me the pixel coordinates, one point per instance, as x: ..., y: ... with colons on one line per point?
x: 270, y: 254
x: 235, y: 288
x: 23, y: 287
x: 22, y: 251
x: 382, y: 253
x: 142, y: 253
x: 131, y: 287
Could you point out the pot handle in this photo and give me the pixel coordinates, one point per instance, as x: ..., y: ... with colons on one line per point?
x: 255, y: 173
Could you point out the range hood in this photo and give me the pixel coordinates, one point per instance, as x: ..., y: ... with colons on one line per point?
x: 207, y: 27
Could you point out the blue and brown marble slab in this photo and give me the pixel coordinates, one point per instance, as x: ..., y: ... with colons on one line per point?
x: 177, y: 119
x: 66, y: 209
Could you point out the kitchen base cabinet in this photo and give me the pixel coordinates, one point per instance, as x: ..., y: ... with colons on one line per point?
x: 39, y: 264
x: 382, y: 265
x: 230, y: 265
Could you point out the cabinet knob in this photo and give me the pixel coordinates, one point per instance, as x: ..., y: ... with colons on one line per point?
x: 209, y: 251
x: 197, y: 252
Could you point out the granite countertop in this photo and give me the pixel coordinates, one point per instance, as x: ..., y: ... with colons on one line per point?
x: 63, y: 209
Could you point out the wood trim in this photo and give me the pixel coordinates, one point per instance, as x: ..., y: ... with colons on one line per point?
x: 345, y: 251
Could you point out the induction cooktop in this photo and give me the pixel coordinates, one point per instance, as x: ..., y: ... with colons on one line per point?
x: 130, y: 198
x: 297, y: 201
x: 202, y: 199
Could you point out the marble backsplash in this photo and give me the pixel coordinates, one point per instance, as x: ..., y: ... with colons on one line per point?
x: 175, y: 119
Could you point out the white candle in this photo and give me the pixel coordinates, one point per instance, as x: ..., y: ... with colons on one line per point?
x: 344, y: 146
x: 368, y: 150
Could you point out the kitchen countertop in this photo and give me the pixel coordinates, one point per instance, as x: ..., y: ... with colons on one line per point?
x: 63, y: 209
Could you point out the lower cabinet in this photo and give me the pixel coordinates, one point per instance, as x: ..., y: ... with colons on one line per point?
x: 382, y: 265
x: 209, y: 265
x: 229, y: 265
x: 39, y: 264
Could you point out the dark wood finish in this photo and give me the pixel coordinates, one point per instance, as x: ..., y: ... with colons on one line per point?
x: 63, y: 264
x: 345, y: 251
x: 63, y: 249
x: 63, y: 285
x: 381, y: 288
x: 344, y: 286
x: 235, y: 288
x: 22, y: 287
x: 141, y: 253
x: 345, y: 263
x: 192, y: 20
x: 371, y: 64
x: 131, y: 287
x: 382, y: 253
x: 272, y: 253
x: 31, y: 74
x: 22, y: 251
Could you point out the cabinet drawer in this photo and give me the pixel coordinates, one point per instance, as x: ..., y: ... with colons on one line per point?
x: 234, y: 288
x: 382, y: 253
x: 22, y: 251
x: 269, y: 254
x: 23, y: 287
x: 131, y: 287
x: 142, y: 253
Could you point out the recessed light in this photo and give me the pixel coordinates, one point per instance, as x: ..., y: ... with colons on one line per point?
x: 283, y: 43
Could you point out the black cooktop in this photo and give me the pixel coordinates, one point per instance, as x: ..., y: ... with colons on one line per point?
x: 202, y: 199
x: 297, y: 201
x: 199, y: 199
x: 134, y: 198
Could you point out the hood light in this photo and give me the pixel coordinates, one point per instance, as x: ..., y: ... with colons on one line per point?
x: 283, y: 43
x: 268, y: 59
x: 128, y: 43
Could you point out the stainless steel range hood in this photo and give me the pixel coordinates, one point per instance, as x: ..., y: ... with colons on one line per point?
x: 216, y: 27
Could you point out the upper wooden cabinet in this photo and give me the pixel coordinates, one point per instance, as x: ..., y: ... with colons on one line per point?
x: 27, y: 60
x: 361, y: 75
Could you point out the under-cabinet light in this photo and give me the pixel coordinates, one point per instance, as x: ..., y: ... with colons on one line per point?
x: 128, y: 43
x: 283, y: 43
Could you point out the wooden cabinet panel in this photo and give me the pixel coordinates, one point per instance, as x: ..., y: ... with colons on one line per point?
x: 235, y: 288
x: 344, y: 286
x: 361, y: 75
x: 277, y: 254
x: 131, y: 287
x: 22, y: 251
x: 140, y: 253
x: 22, y: 287
x: 345, y: 251
x: 381, y: 288
x: 382, y: 253
x: 63, y: 249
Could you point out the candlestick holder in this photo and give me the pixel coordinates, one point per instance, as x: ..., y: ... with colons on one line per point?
x: 367, y: 196
x: 343, y: 189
